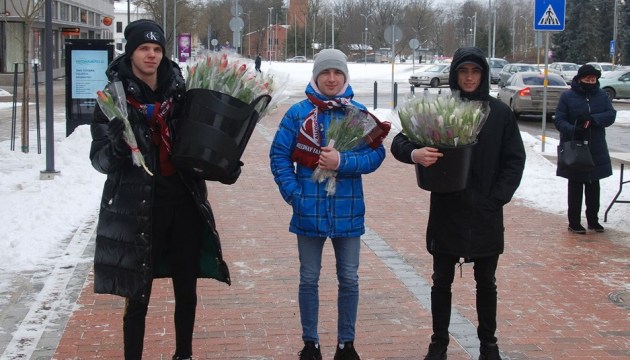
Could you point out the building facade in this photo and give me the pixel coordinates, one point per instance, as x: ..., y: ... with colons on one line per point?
x: 87, y: 19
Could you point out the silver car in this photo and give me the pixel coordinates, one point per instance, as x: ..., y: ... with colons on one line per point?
x: 510, y: 69
x: 566, y: 70
x: 434, y: 76
x: 523, y: 92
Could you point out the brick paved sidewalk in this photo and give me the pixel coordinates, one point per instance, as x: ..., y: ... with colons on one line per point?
x: 554, y: 287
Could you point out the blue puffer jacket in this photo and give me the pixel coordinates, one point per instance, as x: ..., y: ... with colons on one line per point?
x: 314, y: 213
x: 577, y: 102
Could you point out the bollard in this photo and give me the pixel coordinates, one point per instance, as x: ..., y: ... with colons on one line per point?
x: 413, y: 89
x: 375, y: 92
x: 395, y: 95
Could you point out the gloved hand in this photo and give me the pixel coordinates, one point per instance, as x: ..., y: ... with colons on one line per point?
x: 115, y: 129
x: 583, y: 121
x: 233, y: 175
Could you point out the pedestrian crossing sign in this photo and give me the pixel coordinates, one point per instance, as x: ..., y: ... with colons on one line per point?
x: 549, y: 15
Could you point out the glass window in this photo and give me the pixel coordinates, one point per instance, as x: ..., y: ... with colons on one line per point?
x: 64, y: 12
x: 74, y: 14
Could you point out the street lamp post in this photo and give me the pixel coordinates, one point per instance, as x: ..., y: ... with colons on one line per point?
x: 174, y: 29
x: 249, y: 34
x: 524, y: 18
x: 269, y: 35
x: 333, y: 30
x: 366, y: 16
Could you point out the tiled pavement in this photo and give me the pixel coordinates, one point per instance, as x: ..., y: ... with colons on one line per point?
x: 555, y: 288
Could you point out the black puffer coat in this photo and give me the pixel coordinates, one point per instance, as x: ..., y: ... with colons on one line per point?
x: 576, y: 102
x: 469, y: 223
x: 122, y: 259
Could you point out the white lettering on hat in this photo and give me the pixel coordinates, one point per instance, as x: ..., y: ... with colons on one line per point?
x: 150, y: 35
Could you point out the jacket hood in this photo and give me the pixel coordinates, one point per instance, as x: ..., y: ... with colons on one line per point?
x: 470, y: 54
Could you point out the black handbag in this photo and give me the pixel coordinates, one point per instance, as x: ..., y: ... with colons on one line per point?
x: 575, y: 155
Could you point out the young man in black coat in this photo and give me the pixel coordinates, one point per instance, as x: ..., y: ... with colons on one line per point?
x: 468, y: 224
x: 150, y: 225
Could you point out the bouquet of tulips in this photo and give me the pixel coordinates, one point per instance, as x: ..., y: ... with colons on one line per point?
x: 113, y: 102
x: 345, y: 134
x: 231, y: 76
x: 443, y: 121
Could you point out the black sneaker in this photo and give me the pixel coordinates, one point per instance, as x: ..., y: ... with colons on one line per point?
x: 596, y: 227
x: 436, y: 351
x: 347, y: 353
x: 577, y: 229
x: 489, y: 352
x: 310, y: 351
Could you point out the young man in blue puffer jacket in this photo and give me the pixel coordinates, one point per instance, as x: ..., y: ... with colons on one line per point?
x: 317, y: 215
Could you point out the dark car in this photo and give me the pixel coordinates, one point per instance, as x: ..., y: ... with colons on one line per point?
x: 616, y: 84
x: 496, y: 64
x: 523, y: 92
x: 510, y: 69
x: 434, y: 76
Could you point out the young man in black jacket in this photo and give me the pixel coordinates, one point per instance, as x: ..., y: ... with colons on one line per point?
x: 468, y: 224
x: 150, y: 225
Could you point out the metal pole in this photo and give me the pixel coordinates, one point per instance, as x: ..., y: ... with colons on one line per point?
x: 305, y: 17
x: 50, y: 133
x: 475, y: 31
x: 174, y: 29
x: 164, y: 19
x: 545, y: 82
x: 333, y: 30
x: 616, y: 19
x: 489, y: 36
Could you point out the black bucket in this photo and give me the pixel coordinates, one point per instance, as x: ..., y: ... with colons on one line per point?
x: 213, y: 133
x: 449, y: 173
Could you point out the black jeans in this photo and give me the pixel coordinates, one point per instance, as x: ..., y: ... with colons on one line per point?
x: 176, y: 236
x: 591, y: 196
x: 486, y: 300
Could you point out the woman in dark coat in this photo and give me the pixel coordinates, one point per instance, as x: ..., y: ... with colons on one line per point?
x: 468, y: 224
x: 150, y: 226
x: 584, y: 112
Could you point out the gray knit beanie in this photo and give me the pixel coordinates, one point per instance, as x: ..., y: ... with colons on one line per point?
x: 330, y: 59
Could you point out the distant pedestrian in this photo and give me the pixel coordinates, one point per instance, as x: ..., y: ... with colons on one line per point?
x: 468, y: 224
x: 150, y: 226
x: 300, y: 140
x: 257, y: 62
x: 584, y: 112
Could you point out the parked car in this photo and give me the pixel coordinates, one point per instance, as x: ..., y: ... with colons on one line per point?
x: 434, y: 76
x: 496, y: 64
x: 616, y: 84
x: 604, y: 67
x: 297, y: 59
x: 523, y: 92
x: 510, y: 69
x: 566, y: 70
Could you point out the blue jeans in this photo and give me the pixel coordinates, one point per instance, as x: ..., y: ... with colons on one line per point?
x: 347, y: 252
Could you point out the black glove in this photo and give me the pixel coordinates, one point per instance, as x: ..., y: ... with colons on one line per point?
x: 115, y: 129
x: 233, y: 175
x: 583, y: 121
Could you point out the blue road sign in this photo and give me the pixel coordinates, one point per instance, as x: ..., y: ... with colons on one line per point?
x: 612, y: 46
x: 549, y: 15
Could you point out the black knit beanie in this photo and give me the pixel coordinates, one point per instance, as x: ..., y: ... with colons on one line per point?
x: 143, y: 31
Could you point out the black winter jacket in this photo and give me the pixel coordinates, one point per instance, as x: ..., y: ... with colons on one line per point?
x: 469, y: 223
x: 576, y: 102
x: 122, y: 259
